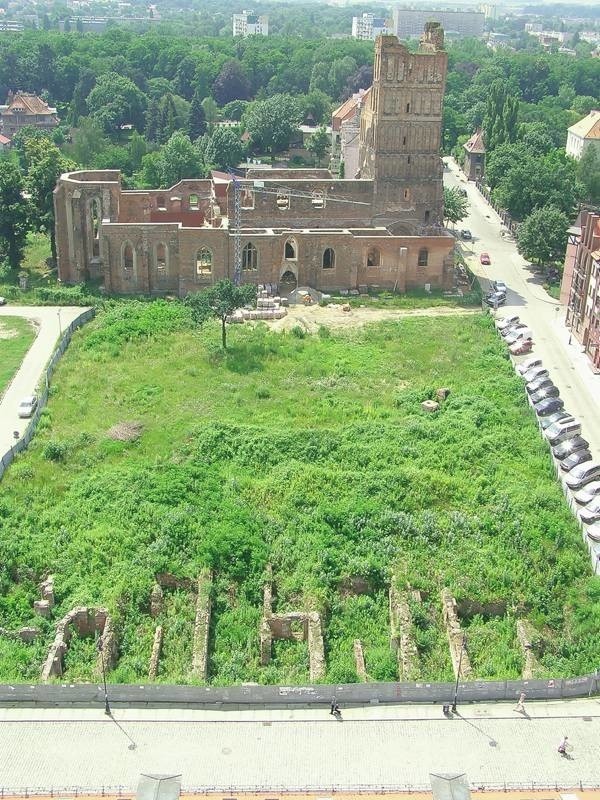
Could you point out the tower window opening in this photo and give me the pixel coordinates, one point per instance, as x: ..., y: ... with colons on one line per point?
x: 249, y: 257
x: 204, y: 260
x: 423, y: 257
x: 328, y: 261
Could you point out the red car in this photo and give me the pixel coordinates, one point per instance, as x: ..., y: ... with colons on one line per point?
x: 520, y: 347
x: 485, y: 258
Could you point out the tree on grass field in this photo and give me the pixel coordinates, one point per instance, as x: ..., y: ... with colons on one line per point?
x: 588, y: 171
x: 456, y: 206
x: 219, y: 302
x: 14, y: 214
x: 318, y: 143
x: 542, y: 237
x: 271, y: 123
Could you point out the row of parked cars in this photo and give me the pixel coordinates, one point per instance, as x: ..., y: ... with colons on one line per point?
x: 563, y: 433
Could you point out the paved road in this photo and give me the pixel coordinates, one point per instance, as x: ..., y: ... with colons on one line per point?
x: 49, y: 323
x: 373, y: 746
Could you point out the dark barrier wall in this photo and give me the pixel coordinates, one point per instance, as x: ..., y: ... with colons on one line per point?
x: 157, y: 695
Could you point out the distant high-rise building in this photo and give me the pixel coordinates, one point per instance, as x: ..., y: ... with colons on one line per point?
x: 409, y: 22
x: 249, y: 24
x: 368, y: 27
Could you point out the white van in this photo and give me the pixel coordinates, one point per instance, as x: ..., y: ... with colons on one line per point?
x: 560, y: 431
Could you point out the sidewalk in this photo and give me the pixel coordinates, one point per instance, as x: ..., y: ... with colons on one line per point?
x: 391, y: 747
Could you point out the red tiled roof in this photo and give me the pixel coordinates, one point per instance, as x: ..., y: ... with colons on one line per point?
x: 4, y: 139
x: 475, y: 143
x: 31, y: 102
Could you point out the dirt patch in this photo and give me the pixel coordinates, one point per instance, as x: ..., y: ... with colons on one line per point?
x: 125, y: 431
x: 311, y: 318
x: 6, y: 332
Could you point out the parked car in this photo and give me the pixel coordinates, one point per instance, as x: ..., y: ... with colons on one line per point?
x: 556, y: 416
x: 2, y: 301
x: 484, y: 258
x: 495, y: 299
x: 521, y: 347
x: 541, y: 382
x: 548, y: 406
x: 533, y: 373
x: 517, y: 326
x: 588, y: 493
x: 582, y: 474
x: 27, y: 406
x: 543, y: 394
x: 578, y: 457
x: 590, y: 513
x: 466, y: 235
x: 506, y: 322
x: 518, y: 333
x: 569, y: 446
x: 499, y: 286
x: 533, y: 362
x: 593, y: 532
x: 560, y: 431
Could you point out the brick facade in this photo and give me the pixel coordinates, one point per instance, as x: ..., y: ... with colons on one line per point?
x: 298, y: 227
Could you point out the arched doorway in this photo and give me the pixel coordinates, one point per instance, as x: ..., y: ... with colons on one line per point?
x: 287, y: 283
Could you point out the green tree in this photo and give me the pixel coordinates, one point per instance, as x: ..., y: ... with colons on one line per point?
x: 223, y: 149
x: 271, y: 123
x: 115, y: 100
x: 231, y: 83
x: 87, y: 142
x: 456, y: 206
x: 47, y: 163
x: 211, y: 112
x: 542, y: 236
x: 14, y: 214
x: 152, y: 120
x: 219, y: 302
x: 167, y: 119
x: 176, y: 159
x: 197, y: 120
x: 316, y: 106
x: 500, y: 120
x: 318, y: 143
x: 588, y: 171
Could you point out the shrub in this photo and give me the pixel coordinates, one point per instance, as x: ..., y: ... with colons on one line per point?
x: 56, y: 450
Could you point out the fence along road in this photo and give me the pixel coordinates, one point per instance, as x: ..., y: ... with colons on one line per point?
x: 53, y: 323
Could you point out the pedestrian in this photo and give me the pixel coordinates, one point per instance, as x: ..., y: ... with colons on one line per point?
x: 562, y: 747
x: 520, y: 707
x: 336, y: 711
x: 334, y: 705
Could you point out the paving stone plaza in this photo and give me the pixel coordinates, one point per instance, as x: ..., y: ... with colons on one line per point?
x: 389, y: 747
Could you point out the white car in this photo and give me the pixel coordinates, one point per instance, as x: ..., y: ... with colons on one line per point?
x: 582, y: 474
x: 506, y: 322
x: 593, y: 532
x: 533, y: 362
x: 591, y: 512
x: 519, y: 334
x: 27, y: 406
x: 2, y: 301
x: 588, y: 493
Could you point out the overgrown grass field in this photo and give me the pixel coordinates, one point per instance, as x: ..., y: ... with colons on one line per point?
x: 16, y: 337
x: 311, y: 453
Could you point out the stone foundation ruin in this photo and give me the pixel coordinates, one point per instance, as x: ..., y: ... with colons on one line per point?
x: 83, y: 621
x: 458, y: 652
x: 44, y: 606
x: 528, y: 639
x: 401, y: 635
x: 202, y: 588
x: 300, y: 625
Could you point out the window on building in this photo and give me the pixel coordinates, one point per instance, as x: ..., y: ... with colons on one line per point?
x: 161, y: 257
x: 427, y: 215
x: 127, y: 257
x: 328, y: 258
x: 160, y: 202
x: 408, y: 160
x: 204, y: 260
x: 423, y: 257
x: 408, y: 108
x: 249, y: 257
x: 318, y: 199
x: 407, y: 194
x: 283, y: 199
x: 290, y: 250
x: 193, y: 200
x: 96, y: 219
x: 247, y: 198
x: 373, y: 257
x: 404, y: 140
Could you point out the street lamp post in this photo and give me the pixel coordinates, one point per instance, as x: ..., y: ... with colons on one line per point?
x: 462, y: 650
x: 106, y: 703
x: 59, y: 322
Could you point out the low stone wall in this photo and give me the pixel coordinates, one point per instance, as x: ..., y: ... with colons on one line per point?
x: 155, y: 656
x: 527, y: 637
x: 456, y: 638
x: 401, y: 638
x: 202, y: 626
x: 84, y: 622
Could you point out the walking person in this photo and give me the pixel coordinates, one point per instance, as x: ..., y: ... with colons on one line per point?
x: 334, y: 705
x: 520, y: 707
x: 562, y: 747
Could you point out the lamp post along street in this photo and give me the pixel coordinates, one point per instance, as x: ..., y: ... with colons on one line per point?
x: 59, y: 323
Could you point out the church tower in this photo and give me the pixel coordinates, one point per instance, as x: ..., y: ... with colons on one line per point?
x: 400, y: 134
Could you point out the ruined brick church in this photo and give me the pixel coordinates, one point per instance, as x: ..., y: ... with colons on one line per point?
x: 379, y: 228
